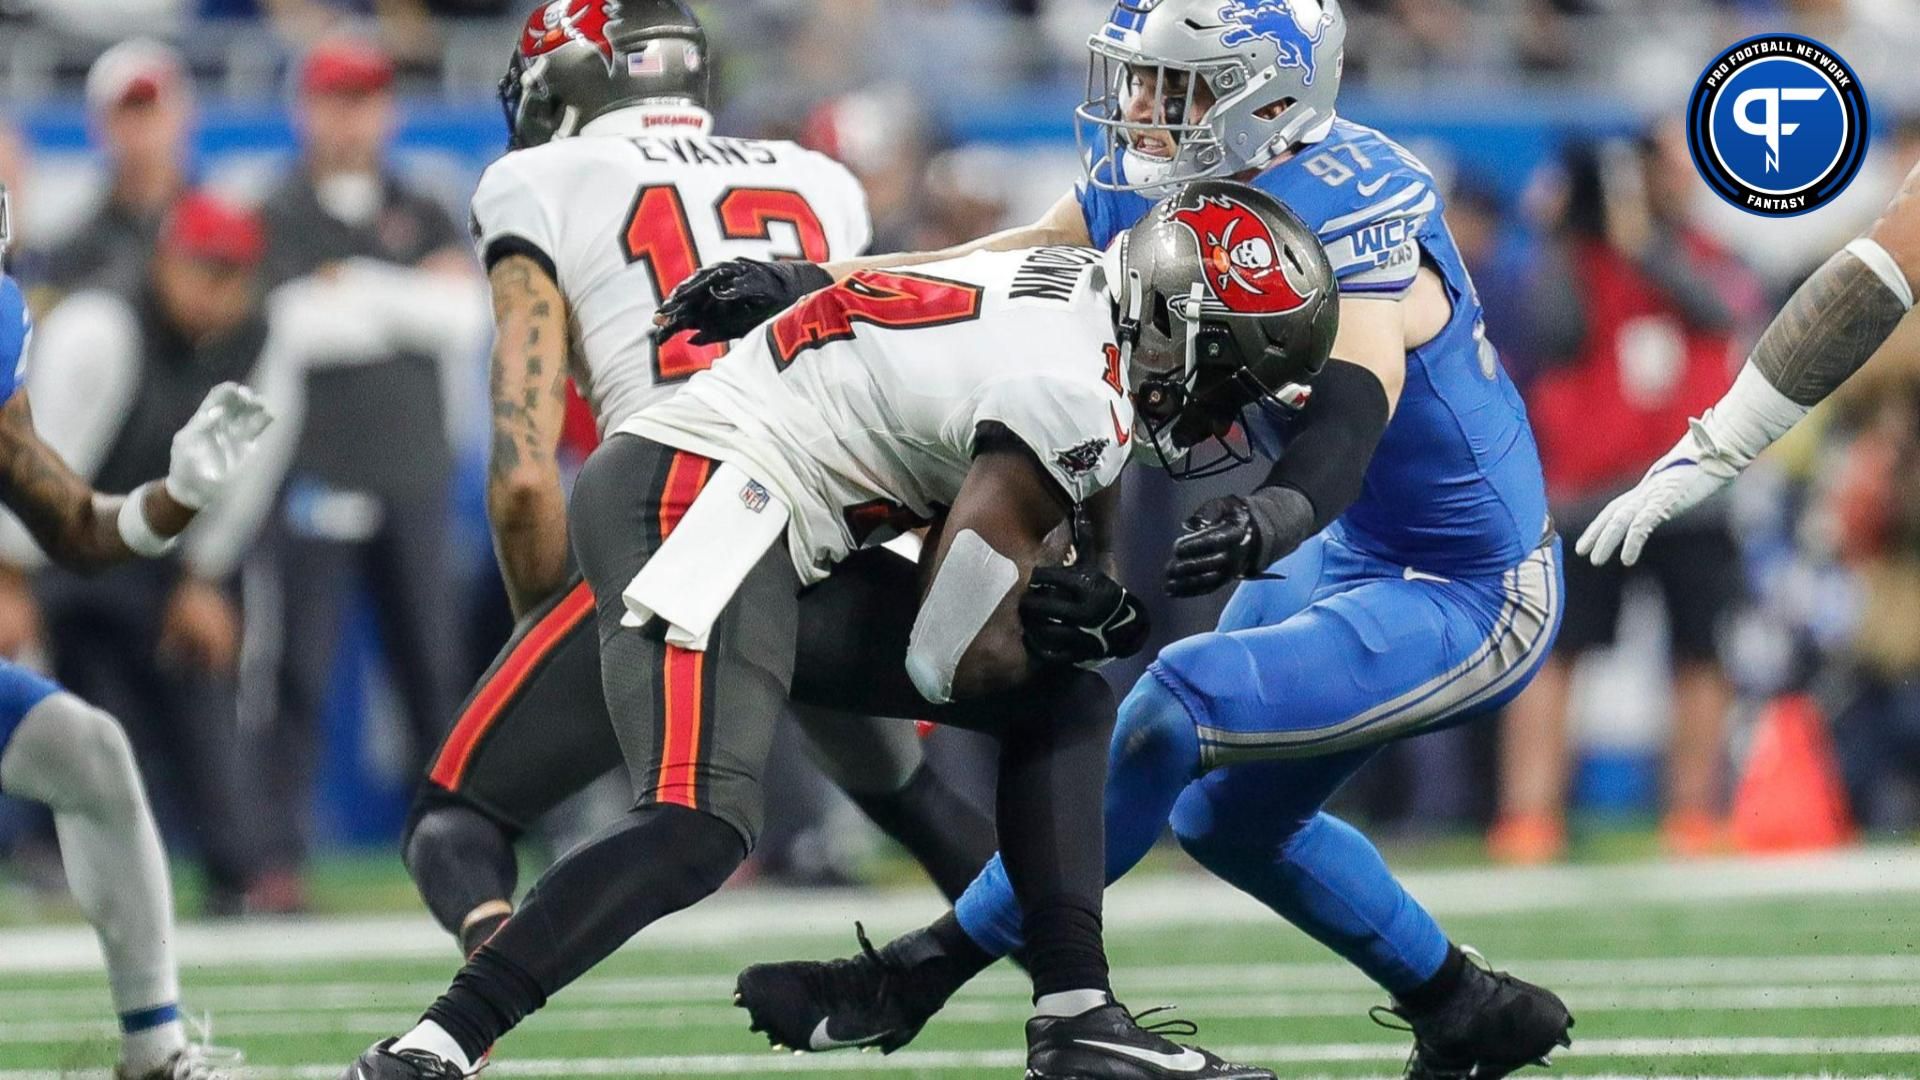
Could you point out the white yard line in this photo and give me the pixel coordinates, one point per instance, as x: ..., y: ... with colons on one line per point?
x: 948, y: 1060
x: 1166, y: 902
x: 1689, y: 982
x: 233, y: 1022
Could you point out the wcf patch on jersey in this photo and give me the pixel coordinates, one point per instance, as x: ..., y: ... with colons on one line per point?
x: 1777, y: 125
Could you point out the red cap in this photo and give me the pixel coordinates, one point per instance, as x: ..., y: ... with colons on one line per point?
x: 204, y: 226
x: 346, y: 66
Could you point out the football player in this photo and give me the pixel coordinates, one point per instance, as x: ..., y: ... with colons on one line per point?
x: 1406, y: 573
x: 1831, y: 326
x: 57, y: 749
x: 582, y: 236
x: 726, y: 535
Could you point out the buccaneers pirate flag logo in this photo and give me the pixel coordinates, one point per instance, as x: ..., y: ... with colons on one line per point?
x: 1245, y: 266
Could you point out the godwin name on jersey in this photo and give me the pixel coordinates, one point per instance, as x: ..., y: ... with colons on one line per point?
x: 619, y: 217
x: 860, y: 405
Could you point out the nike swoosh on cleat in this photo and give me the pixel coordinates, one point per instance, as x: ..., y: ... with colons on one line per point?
x: 821, y: 1040
x: 1187, y: 1060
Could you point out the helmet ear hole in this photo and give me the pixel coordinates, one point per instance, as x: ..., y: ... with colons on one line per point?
x: 1162, y: 319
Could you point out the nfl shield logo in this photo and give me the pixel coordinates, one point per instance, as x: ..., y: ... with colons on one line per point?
x: 754, y: 497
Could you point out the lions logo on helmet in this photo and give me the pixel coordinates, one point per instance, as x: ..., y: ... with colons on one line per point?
x: 1241, y: 257
x: 1183, y: 90
x: 1278, y: 22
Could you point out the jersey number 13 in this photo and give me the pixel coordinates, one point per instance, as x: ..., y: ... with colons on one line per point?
x: 659, y: 234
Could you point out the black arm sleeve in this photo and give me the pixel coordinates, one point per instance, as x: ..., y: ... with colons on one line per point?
x: 1332, y: 441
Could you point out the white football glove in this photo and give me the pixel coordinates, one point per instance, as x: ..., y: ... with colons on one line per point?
x: 210, y: 449
x: 1694, y: 469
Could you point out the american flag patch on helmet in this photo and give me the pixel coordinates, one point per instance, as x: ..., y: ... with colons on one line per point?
x: 648, y: 59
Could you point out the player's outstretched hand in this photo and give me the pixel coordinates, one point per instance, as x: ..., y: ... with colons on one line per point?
x: 1221, y: 543
x: 720, y: 303
x: 1694, y: 469
x: 1078, y: 615
x: 214, y: 444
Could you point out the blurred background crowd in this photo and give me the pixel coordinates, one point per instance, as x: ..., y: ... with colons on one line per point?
x: 185, y: 172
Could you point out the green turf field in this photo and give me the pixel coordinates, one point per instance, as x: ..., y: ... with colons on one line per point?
x: 1802, y: 968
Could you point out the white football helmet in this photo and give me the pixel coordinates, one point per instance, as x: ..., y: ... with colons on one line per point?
x: 1271, y: 67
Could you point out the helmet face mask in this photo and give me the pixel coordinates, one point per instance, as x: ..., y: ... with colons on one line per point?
x: 1106, y: 130
x: 1272, y: 69
x: 6, y: 221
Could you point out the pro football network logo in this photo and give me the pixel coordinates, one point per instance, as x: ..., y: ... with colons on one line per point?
x: 1778, y: 125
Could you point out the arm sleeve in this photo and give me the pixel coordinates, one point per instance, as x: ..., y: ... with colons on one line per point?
x: 510, y: 217
x: 1078, y: 432
x: 1332, y: 443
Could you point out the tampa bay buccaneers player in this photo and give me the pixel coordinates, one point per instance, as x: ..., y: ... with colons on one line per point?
x: 727, y: 534
x: 614, y: 192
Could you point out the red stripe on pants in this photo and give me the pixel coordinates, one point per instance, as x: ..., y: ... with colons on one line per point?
x: 498, y: 692
x: 683, y: 671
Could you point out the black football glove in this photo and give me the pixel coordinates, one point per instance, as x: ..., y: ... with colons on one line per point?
x: 722, y: 302
x: 1220, y: 543
x: 1235, y: 537
x: 1078, y: 615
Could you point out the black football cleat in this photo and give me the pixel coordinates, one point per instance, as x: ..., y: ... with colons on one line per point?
x: 875, y: 998
x: 1108, y: 1043
x: 1493, y: 1025
x: 382, y: 1062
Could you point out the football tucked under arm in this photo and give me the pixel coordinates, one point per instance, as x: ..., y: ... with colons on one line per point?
x: 967, y: 639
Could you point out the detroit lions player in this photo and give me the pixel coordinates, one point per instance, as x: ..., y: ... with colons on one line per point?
x: 59, y: 750
x: 1414, y: 574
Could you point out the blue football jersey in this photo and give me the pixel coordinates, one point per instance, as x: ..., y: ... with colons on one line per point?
x: 1455, y: 485
x: 16, y: 328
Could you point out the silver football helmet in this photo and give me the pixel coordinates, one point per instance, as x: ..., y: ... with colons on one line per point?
x: 1180, y: 90
x: 1223, y: 299
x: 580, y: 59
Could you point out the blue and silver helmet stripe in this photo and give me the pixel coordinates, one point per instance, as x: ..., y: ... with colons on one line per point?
x: 1127, y: 19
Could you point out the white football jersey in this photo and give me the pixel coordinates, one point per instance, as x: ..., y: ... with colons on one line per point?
x: 859, y: 405
x: 620, y: 216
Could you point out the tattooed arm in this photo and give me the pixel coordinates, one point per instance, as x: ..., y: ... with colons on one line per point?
x: 75, y: 525
x: 1829, y: 329
x: 525, y: 502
